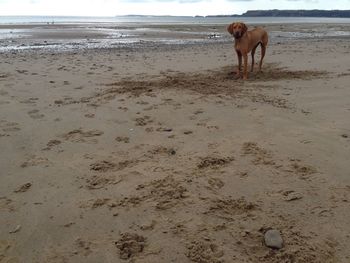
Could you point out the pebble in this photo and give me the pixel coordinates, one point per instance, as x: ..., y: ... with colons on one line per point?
x: 18, y: 228
x: 273, y: 239
x: 292, y: 196
x: 23, y: 188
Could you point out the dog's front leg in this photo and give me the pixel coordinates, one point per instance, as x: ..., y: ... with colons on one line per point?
x: 245, y: 66
x: 239, y: 56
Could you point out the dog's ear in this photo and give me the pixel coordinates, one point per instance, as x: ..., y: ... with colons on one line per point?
x: 244, y: 28
x: 230, y: 28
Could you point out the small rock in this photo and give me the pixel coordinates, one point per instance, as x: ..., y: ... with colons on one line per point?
x: 292, y: 196
x: 273, y: 239
x: 18, y: 228
x: 167, y: 129
x: 345, y: 136
x: 23, y: 188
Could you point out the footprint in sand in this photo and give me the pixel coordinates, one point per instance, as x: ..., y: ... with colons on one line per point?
x: 4, y: 102
x: 106, y: 166
x: 159, y: 150
x: 4, y: 76
x: 123, y: 109
x: 141, y: 102
x: 188, y: 132
x: 62, y: 68
x: 214, y: 162
x: 53, y: 143
x: 143, y: 121
x: 83, y: 247
x: 122, y: 139
x: 215, y: 183
x: 29, y: 101
x: 6, y: 205
x: 5, y: 246
x: 259, y: 154
x: 98, y: 181
x: 9, y: 126
x: 102, y: 166
x: 204, y: 251
x: 35, y: 161
x: 228, y: 207
x: 153, y: 107
x: 89, y: 115
x: 20, y: 71
x: 35, y: 114
x: 79, y: 135
x: 199, y: 111
x: 130, y: 245
x: 166, y: 193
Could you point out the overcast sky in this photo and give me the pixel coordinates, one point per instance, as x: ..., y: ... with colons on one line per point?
x: 157, y: 7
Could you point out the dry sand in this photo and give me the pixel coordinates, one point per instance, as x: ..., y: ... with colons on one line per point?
x: 159, y: 155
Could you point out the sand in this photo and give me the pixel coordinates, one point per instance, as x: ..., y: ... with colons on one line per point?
x: 157, y: 154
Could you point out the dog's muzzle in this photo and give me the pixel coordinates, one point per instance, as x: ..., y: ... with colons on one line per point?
x: 236, y: 35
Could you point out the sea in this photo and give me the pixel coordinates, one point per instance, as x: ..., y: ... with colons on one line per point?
x: 166, y: 20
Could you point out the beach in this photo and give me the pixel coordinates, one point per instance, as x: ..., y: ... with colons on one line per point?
x: 139, y: 145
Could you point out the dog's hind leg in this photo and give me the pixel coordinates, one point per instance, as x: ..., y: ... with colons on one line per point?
x: 253, y: 53
x: 263, y: 43
x: 263, y: 51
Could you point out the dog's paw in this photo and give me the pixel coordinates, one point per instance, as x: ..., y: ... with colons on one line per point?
x: 236, y: 76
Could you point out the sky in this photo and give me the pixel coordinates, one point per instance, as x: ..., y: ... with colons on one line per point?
x: 157, y: 7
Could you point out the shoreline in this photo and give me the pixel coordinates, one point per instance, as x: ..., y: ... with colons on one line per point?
x: 75, y: 37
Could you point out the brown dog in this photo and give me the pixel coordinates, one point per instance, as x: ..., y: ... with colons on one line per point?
x: 246, y: 41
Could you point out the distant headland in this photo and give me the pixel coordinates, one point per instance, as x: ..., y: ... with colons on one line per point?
x: 292, y: 13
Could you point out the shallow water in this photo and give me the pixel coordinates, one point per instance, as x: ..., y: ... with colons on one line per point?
x: 63, y: 35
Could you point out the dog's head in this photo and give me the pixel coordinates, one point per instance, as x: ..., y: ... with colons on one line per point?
x: 237, y: 29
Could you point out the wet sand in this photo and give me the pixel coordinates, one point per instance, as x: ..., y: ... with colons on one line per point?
x: 154, y: 153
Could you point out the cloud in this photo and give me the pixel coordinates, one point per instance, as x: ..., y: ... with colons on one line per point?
x: 164, y: 1
x: 179, y: 1
x: 306, y: 1
x: 189, y: 1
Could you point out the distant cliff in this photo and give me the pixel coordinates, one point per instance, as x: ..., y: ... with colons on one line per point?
x: 299, y: 13
x: 294, y: 13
